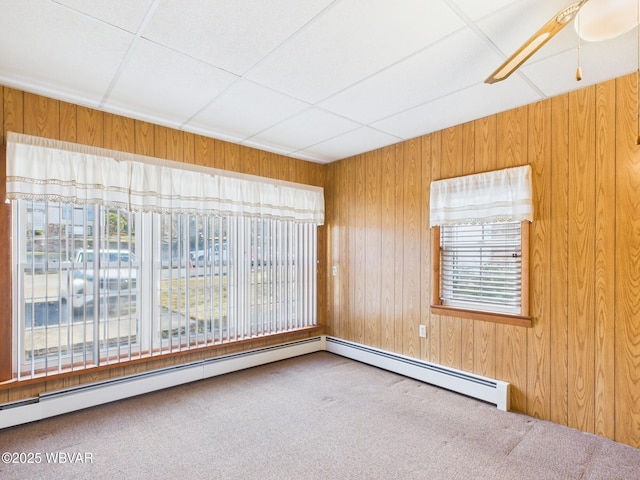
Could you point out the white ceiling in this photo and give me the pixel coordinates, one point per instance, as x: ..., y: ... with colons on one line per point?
x: 318, y: 80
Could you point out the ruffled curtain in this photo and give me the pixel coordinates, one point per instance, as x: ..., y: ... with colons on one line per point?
x: 44, y: 169
x: 498, y: 196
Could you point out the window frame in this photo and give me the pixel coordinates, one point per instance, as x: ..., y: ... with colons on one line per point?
x: 64, y: 172
x: 523, y: 319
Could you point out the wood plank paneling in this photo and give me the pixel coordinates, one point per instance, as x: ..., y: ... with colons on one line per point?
x: 90, y: 127
x: 373, y: 251
x: 346, y: 189
x: 144, y: 138
x: 425, y: 247
x: 411, y: 248
x: 231, y: 157
x: 398, y: 252
x: 331, y: 248
x: 581, y: 258
x: 349, y: 259
x: 358, y: 256
x: 205, y: 151
x: 188, y: 147
x: 13, y: 111
x: 538, y: 352
x: 250, y: 160
x: 387, y: 200
x: 627, y: 277
x: 605, y: 242
x: 68, y: 122
x: 175, y: 145
x: 559, y: 258
x: 119, y: 133
x: 160, y: 139
x: 41, y: 116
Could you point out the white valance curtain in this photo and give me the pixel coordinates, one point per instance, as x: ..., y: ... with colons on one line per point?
x: 498, y: 196
x: 44, y: 169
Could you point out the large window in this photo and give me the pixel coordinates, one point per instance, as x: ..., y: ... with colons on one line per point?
x: 480, y: 239
x: 98, y: 284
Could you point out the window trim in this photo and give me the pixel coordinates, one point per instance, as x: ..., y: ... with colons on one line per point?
x: 522, y: 320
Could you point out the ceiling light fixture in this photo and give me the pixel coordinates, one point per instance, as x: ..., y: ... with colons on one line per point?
x: 606, y: 19
x: 598, y: 20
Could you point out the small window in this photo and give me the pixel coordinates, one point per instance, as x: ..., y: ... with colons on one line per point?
x: 480, y: 226
x: 481, y: 268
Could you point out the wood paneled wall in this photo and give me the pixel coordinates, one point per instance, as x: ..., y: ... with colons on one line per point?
x: 31, y: 114
x: 579, y: 364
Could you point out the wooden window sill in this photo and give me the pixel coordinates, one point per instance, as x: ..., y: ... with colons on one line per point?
x: 504, y: 318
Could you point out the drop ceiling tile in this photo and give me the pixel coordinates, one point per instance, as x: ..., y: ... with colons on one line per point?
x: 120, y: 13
x: 165, y: 84
x: 476, y: 10
x: 475, y: 102
x: 230, y: 35
x: 352, y: 40
x: 59, y: 51
x: 452, y: 64
x: 245, y: 109
x: 304, y: 129
x: 351, y: 143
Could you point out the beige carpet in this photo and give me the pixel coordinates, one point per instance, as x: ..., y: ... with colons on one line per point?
x: 319, y: 416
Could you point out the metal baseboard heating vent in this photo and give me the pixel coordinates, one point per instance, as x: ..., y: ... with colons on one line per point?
x: 482, y: 388
x: 77, y: 398
x: 84, y: 396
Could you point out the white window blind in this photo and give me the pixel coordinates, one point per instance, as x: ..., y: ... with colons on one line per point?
x: 481, y: 266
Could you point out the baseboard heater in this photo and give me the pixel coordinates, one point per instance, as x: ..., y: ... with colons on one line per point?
x: 50, y: 404
x: 482, y: 388
x: 58, y: 402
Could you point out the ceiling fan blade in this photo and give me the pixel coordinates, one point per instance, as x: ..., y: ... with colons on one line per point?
x: 537, y: 40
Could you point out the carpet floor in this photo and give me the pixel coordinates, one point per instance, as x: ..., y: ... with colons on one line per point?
x: 319, y: 416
